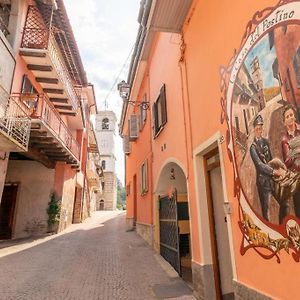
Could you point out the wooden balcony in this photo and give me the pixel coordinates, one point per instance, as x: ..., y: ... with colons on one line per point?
x: 14, y: 124
x: 50, y: 138
x: 43, y: 57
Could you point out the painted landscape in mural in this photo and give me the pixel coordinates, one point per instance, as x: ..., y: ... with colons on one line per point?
x: 265, y: 124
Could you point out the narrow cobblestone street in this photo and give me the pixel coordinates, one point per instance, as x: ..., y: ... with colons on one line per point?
x: 99, y: 259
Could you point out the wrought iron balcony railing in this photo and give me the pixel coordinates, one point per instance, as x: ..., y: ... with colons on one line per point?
x: 14, y: 121
x: 39, y: 107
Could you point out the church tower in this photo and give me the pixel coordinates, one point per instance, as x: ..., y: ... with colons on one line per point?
x: 105, y: 134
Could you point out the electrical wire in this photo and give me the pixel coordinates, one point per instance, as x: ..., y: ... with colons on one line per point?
x: 117, y: 77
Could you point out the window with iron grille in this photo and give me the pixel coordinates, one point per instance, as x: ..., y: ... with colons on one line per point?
x: 159, y: 112
x: 103, y: 164
x: 144, y: 178
x: 105, y: 124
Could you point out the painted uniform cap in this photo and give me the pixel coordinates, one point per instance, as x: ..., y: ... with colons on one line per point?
x: 258, y: 121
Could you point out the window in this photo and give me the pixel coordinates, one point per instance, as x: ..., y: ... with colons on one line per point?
x: 103, y: 164
x: 128, y: 189
x: 103, y: 185
x: 144, y: 178
x: 27, y: 87
x: 105, y: 124
x: 29, y: 94
x: 159, y: 112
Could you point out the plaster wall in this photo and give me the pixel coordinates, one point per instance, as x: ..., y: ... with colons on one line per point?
x: 68, y: 196
x: 35, y: 185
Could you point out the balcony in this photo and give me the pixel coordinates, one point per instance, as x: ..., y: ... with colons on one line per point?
x: 43, y: 57
x: 14, y: 125
x: 50, y: 138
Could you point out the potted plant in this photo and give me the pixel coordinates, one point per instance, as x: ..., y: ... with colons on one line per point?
x: 53, y: 211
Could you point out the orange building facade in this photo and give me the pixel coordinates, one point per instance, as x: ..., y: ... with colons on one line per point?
x: 212, y: 176
x: 46, y: 134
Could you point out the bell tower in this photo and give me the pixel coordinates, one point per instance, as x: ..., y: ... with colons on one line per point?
x: 105, y: 135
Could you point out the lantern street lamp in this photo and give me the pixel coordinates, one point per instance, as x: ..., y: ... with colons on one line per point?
x: 124, y: 91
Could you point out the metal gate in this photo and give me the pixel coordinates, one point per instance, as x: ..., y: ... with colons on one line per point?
x: 169, y: 231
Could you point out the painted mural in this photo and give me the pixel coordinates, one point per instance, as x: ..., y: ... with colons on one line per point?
x: 261, y: 105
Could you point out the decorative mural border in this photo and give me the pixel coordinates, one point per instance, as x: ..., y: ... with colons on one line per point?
x: 266, y: 239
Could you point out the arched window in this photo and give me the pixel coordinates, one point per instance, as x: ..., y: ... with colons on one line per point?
x: 103, y: 164
x: 105, y: 124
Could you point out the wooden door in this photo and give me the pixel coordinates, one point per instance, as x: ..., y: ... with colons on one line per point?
x: 7, y: 210
x: 222, y: 264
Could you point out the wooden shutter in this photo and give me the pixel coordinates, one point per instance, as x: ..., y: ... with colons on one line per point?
x: 146, y: 176
x: 126, y: 144
x: 133, y: 127
x: 154, y: 118
x: 162, y: 97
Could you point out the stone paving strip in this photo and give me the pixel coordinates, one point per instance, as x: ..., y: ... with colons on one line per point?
x: 98, y: 259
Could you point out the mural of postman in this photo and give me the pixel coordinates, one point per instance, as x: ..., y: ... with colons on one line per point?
x: 265, y: 110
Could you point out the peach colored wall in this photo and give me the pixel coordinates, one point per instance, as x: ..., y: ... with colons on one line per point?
x: 141, y: 150
x: 215, y: 30
x: 68, y: 196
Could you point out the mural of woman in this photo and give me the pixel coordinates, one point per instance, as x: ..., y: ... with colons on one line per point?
x: 290, y: 144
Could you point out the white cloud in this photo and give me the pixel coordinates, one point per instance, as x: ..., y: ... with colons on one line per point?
x: 105, y: 32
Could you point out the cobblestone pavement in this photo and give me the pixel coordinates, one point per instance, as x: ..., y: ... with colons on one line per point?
x: 98, y: 259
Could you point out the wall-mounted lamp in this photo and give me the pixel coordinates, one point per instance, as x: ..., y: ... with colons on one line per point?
x: 172, y: 174
x: 124, y: 90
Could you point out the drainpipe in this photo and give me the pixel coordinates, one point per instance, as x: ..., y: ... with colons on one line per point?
x: 142, y: 19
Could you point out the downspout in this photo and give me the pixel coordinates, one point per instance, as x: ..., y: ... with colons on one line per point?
x: 142, y: 19
x: 181, y: 63
x: 152, y: 216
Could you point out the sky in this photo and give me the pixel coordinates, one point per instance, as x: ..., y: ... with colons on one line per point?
x: 105, y: 32
x: 266, y: 58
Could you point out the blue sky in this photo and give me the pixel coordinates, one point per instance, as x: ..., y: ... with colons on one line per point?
x: 105, y: 32
x: 266, y: 58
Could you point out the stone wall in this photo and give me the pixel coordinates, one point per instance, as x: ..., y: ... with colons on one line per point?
x: 146, y: 232
x: 68, y: 196
x: 242, y: 292
x: 109, y: 194
x: 203, y: 281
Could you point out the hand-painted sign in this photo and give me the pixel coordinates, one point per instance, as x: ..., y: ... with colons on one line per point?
x: 261, y: 105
